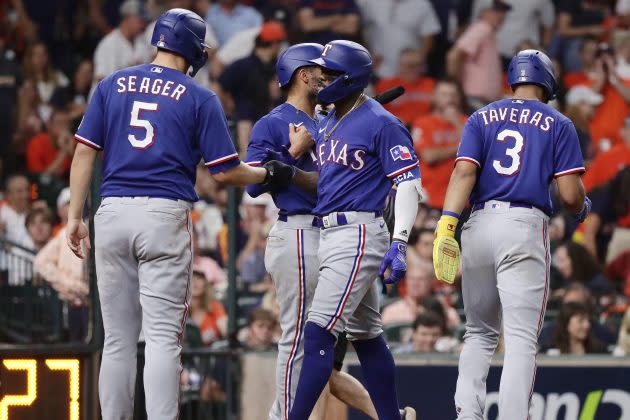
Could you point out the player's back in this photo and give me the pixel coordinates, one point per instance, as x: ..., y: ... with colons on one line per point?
x: 155, y: 121
x: 520, y: 146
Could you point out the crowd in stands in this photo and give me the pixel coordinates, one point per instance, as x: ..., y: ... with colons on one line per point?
x: 450, y: 55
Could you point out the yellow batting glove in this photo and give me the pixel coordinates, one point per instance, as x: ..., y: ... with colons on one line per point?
x: 446, y: 254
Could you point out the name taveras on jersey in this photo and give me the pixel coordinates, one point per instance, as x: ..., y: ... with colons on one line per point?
x: 153, y: 86
x: 340, y: 155
x: 517, y: 116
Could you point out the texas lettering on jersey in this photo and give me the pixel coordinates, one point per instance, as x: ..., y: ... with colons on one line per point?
x: 339, y: 154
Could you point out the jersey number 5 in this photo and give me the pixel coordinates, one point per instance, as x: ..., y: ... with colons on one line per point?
x: 137, y: 122
x: 513, y: 152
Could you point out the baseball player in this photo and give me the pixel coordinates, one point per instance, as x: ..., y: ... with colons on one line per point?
x: 362, y: 150
x: 293, y: 242
x: 153, y: 124
x: 510, y: 152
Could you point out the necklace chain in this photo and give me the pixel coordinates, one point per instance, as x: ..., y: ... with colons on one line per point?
x: 357, y: 103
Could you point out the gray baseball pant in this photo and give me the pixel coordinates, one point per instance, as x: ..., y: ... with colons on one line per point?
x: 143, y: 265
x: 505, y: 276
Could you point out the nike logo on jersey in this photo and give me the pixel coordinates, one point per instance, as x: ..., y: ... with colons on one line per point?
x: 321, y: 130
x: 296, y: 125
x: 334, y: 152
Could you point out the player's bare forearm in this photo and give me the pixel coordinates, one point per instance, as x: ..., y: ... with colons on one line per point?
x: 571, y: 192
x: 460, y: 186
x: 591, y: 227
x: 241, y: 175
x: 306, y: 180
x: 454, y: 59
x: 80, y: 176
x: 426, y: 45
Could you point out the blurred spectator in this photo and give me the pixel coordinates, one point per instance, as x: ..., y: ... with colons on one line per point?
x: 212, y: 272
x: 51, y: 152
x: 577, y: 19
x: 206, y: 312
x: 74, y: 97
x: 58, y: 265
x: 260, y: 330
x: 250, y: 83
x: 581, y: 104
x: 576, y: 265
x: 228, y: 17
x: 618, y: 270
x: 14, y: 209
x: 418, y: 283
x: 39, y: 224
x: 446, y: 12
x: 573, y: 334
x: 37, y: 66
x: 125, y: 45
x: 63, y: 203
x: 418, y: 89
x: 29, y: 120
x: 208, y: 211
x: 393, y: 26
x: 251, y: 260
x: 531, y: 20
x: 104, y: 15
x: 611, y: 208
x: 427, y: 330
x: 10, y: 80
x: 588, y: 55
x: 474, y: 59
x: 573, y: 293
x: 623, y: 345
x: 323, y: 21
x: 421, y: 245
x: 436, y: 139
x: 608, y: 164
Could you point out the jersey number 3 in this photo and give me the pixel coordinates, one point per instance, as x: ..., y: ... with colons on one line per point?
x: 137, y: 122
x: 513, y: 152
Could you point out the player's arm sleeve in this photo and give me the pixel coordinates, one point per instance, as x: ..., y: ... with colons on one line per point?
x: 215, y: 141
x: 567, y: 156
x: 92, y: 127
x: 260, y: 140
x: 471, y: 144
x: 394, y: 148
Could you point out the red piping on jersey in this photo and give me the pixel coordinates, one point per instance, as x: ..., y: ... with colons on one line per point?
x: 570, y: 172
x: 467, y: 159
x: 403, y: 170
x: 222, y: 160
x: 87, y: 143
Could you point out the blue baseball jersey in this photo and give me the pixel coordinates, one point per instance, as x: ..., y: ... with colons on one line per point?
x: 363, y: 157
x: 519, y: 146
x: 271, y: 132
x: 154, y: 125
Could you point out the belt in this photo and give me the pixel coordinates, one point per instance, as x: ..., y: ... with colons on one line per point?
x: 345, y: 218
x: 298, y: 219
x: 482, y: 205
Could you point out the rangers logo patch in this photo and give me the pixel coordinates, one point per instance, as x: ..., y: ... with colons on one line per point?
x: 161, y: 42
x: 400, y: 152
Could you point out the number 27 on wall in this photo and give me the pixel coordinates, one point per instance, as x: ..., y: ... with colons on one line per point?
x: 30, y: 366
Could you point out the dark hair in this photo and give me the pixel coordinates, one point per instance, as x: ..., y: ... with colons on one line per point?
x: 44, y: 213
x: 584, y: 265
x: 433, y: 305
x: 561, y: 332
x: 619, y: 190
x: 260, y: 314
x: 460, y: 89
x: 416, y: 233
x: 586, y: 40
x: 13, y: 176
x: 427, y: 319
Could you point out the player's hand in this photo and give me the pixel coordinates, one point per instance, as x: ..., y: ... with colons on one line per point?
x: 278, y: 176
x: 586, y: 209
x: 396, y: 258
x: 446, y: 253
x: 76, y: 234
x: 281, y: 155
x: 300, y: 139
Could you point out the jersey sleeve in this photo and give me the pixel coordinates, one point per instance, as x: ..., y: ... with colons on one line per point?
x: 395, y: 151
x: 471, y: 145
x: 260, y: 140
x: 92, y: 127
x: 567, y: 156
x: 217, y: 148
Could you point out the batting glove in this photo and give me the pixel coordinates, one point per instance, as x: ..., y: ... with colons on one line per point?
x: 586, y: 209
x: 396, y: 258
x: 446, y: 253
x: 278, y: 175
x: 281, y: 155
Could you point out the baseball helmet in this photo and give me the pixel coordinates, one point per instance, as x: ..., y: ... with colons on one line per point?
x: 533, y: 67
x: 354, y: 63
x: 294, y: 57
x: 182, y: 32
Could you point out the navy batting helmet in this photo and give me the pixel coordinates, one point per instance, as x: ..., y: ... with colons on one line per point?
x: 182, y: 32
x: 533, y: 67
x: 354, y: 63
x: 294, y: 57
